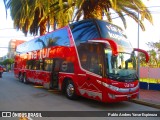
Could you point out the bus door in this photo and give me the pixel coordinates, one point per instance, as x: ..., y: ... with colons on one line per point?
x: 55, y: 72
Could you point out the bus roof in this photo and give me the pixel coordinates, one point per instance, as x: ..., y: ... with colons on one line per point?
x: 98, y: 29
x: 82, y: 31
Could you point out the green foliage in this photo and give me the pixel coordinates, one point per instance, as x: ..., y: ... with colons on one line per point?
x: 154, y: 54
x: 142, y: 59
x: 32, y: 15
x: 1, y: 63
x: 154, y: 45
x: 8, y: 62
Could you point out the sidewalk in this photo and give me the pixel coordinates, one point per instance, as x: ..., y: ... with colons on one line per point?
x: 148, y: 97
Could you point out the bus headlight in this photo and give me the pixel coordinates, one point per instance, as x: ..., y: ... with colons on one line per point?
x: 110, y: 86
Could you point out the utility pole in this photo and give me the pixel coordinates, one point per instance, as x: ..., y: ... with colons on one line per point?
x: 138, y: 69
x: 138, y: 62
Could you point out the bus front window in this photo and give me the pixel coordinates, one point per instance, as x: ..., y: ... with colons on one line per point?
x: 121, y: 67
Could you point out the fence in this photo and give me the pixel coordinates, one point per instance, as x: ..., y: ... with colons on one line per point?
x: 150, y: 78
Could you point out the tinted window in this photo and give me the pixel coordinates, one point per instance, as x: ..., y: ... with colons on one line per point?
x: 91, y: 57
x: 93, y: 29
x: 39, y: 43
x: 35, y: 65
x: 48, y: 64
x: 84, y: 30
x: 113, y: 32
x: 56, y: 38
x: 59, y: 37
x: 67, y: 67
x: 30, y: 64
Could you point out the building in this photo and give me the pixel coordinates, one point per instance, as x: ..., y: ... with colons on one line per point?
x: 3, y: 58
x: 12, y: 47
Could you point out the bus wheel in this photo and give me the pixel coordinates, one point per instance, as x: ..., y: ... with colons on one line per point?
x: 24, y: 79
x: 20, y: 77
x: 70, y: 90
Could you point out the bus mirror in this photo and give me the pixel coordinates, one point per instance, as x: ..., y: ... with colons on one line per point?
x: 114, y: 46
x: 144, y: 52
x: 112, y: 43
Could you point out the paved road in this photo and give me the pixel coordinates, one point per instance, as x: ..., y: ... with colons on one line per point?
x: 16, y: 96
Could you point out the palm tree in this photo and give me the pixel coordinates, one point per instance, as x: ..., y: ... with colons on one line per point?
x: 63, y: 12
x: 32, y: 14
x: 96, y: 9
x: 28, y: 15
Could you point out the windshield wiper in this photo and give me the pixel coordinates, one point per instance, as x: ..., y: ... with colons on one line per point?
x: 130, y: 76
x: 112, y: 75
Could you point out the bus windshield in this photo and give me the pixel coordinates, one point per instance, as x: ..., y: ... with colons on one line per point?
x: 121, y: 67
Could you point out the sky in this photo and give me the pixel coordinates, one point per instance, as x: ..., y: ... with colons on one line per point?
x: 151, y: 34
x: 7, y: 32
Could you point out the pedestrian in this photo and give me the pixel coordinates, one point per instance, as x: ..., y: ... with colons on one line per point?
x: 1, y: 71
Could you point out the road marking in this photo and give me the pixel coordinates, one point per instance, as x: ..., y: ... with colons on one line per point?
x: 23, y: 118
x: 54, y: 91
x: 38, y: 86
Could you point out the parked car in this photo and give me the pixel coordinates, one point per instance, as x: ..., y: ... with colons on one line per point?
x: 1, y: 71
x: 3, y: 68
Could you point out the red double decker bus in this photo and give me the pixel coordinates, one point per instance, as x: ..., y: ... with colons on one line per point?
x: 89, y: 58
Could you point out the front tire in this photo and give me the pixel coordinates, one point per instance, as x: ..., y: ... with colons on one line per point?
x: 25, y: 78
x: 70, y: 90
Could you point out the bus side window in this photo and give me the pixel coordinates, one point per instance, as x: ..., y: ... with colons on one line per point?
x: 94, y: 65
x: 30, y: 64
x: 33, y: 65
x: 37, y: 65
x: 57, y: 65
x: 67, y: 67
x: 48, y: 63
x: 70, y: 67
x: 41, y: 65
x: 83, y: 59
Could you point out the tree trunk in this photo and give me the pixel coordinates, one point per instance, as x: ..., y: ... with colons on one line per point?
x: 92, y: 9
x: 43, y: 27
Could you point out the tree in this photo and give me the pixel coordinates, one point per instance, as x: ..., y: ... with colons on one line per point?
x: 28, y: 15
x: 154, y: 56
x: 154, y: 45
x: 8, y: 62
x: 96, y: 8
x: 142, y: 59
x: 32, y: 14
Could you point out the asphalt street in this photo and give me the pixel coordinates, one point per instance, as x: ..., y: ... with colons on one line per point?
x: 16, y: 96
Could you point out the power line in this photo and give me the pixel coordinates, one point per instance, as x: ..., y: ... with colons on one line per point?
x: 152, y: 12
x: 7, y: 47
x: 7, y: 28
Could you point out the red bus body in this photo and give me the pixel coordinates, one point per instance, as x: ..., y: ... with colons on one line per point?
x: 68, y: 55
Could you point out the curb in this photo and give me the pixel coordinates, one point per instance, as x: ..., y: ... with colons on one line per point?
x: 147, y: 103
